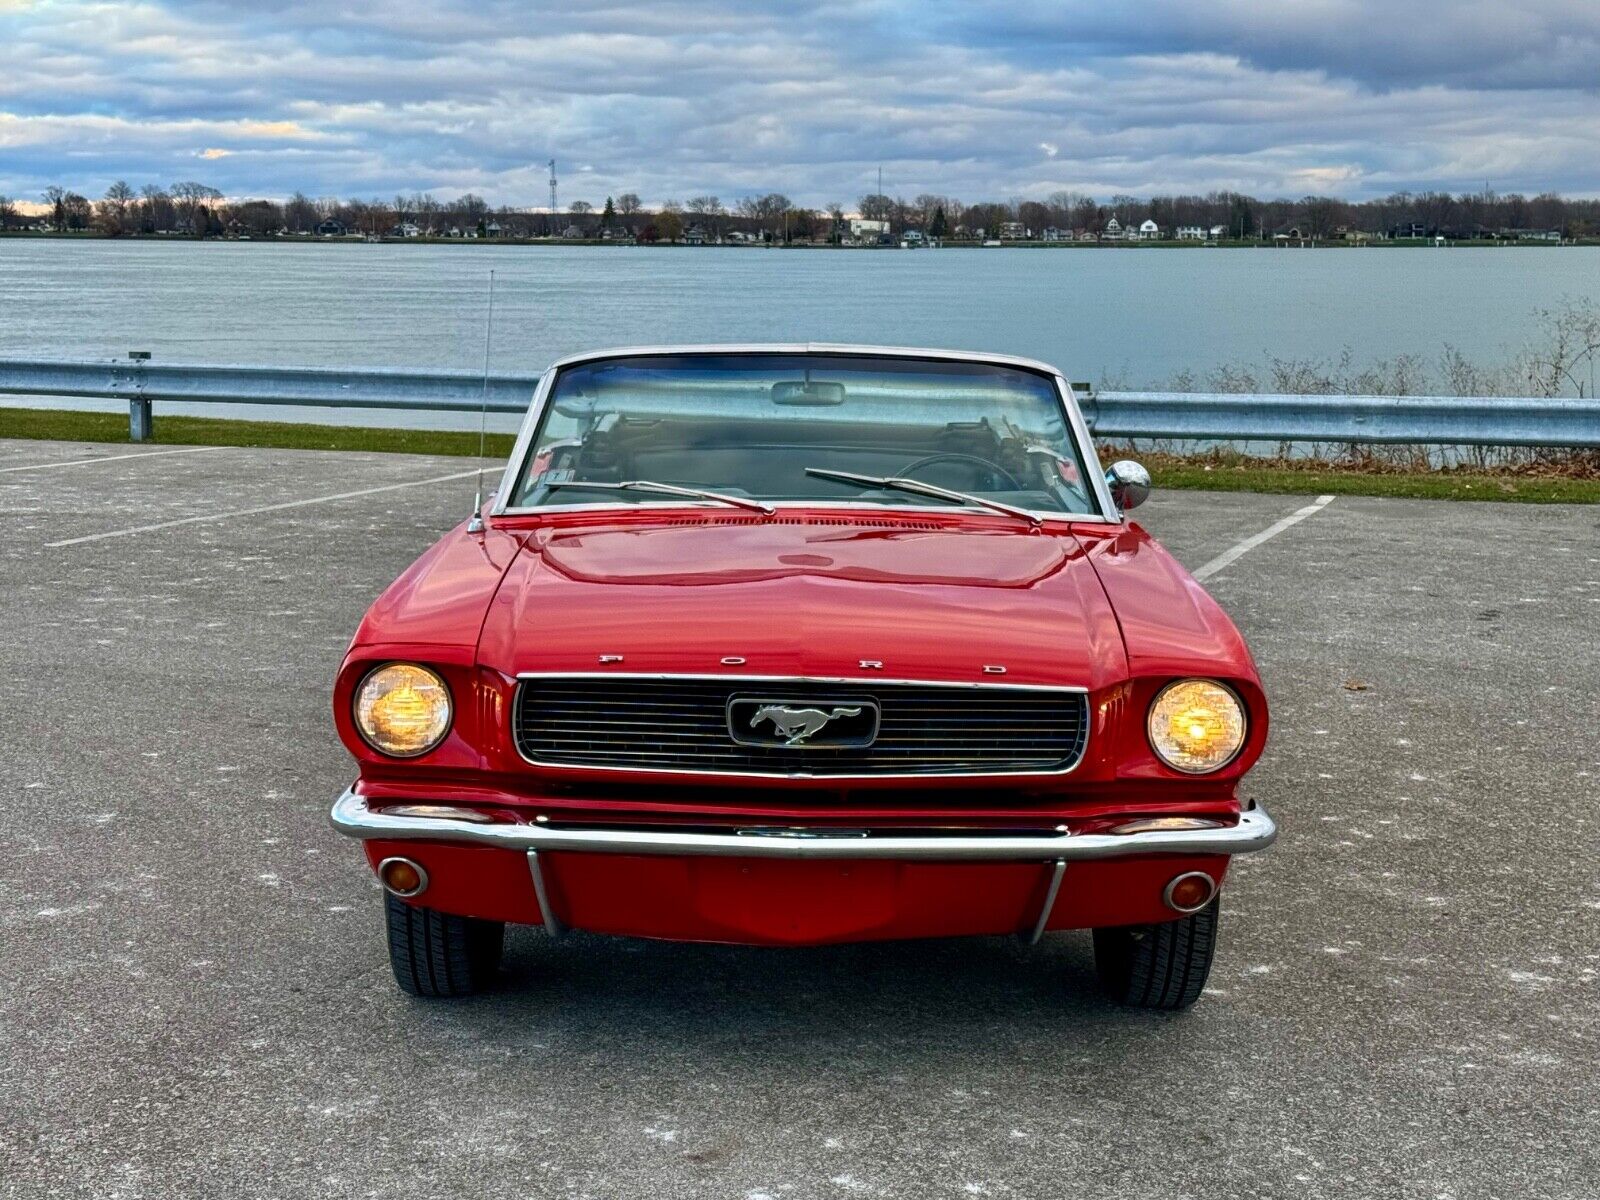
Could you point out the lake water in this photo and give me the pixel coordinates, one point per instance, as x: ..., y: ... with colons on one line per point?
x: 1130, y: 318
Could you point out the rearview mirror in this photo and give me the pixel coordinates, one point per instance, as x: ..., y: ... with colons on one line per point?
x: 807, y: 393
x: 1129, y: 484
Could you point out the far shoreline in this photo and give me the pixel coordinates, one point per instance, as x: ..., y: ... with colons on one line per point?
x: 950, y: 244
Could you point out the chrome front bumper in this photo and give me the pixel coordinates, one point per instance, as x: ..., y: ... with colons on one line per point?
x: 1255, y: 831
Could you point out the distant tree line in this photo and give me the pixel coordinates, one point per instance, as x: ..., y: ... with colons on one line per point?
x: 196, y: 209
x: 1241, y: 217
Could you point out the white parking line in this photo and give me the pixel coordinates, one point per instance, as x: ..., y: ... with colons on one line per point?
x: 84, y: 462
x: 250, y: 512
x: 1233, y: 553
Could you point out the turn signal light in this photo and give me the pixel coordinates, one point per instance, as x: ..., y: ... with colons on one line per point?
x: 1189, y: 892
x: 402, y: 876
x: 439, y: 812
x: 1165, y: 824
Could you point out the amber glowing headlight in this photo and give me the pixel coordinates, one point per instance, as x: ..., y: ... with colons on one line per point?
x: 1196, y: 725
x: 403, y: 710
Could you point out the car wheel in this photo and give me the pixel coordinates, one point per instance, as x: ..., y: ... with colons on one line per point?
x: 1157, y: 966
x: 439, y: 954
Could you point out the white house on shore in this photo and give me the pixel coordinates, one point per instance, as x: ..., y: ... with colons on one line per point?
x: 1145, y: 231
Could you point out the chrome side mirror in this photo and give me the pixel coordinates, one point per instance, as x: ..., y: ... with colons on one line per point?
x: 1129, y: 484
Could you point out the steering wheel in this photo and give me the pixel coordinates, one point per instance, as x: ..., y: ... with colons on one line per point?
x: 952, y: 456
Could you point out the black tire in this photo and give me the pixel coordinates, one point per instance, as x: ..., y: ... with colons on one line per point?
x: 438, y: 954
x: 1158, y: 966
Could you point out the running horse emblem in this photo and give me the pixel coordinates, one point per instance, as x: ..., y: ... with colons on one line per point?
x: 797, y: 724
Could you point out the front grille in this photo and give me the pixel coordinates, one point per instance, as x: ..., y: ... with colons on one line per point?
x: 681, y: 724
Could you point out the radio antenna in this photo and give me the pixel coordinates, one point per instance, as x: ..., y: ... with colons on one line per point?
x: 475, y: 524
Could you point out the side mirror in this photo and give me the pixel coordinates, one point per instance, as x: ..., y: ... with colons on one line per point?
x: 1129, y: 484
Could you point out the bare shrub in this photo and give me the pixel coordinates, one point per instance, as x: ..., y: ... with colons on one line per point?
x: 1564, y: 363
x: 1562, y: 360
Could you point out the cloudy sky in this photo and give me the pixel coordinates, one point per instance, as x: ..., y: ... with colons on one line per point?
x: 1353, y: 98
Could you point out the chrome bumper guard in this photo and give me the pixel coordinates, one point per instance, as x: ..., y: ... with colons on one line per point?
x: 1255, y: 830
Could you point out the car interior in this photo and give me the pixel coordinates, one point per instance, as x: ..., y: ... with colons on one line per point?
x: 768, y: 459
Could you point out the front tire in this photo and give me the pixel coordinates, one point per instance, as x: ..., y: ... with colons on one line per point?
x: 440, y: 954
x: 1161, y: 966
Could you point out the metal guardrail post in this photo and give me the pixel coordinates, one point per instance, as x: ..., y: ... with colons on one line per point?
x: 141, y: 414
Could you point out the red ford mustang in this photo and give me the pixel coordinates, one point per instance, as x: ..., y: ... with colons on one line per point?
x: 784, y: 645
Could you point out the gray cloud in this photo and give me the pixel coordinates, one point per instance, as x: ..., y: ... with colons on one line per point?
x: 671, y: 99
x: 1476, y: 44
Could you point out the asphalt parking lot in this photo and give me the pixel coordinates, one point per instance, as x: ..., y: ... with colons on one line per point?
x: 195, y: 1000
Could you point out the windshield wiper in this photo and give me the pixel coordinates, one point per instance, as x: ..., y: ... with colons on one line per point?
x: 665, y: 489
x: 899, y: 484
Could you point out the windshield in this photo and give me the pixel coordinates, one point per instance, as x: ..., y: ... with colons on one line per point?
x: 775, y: 427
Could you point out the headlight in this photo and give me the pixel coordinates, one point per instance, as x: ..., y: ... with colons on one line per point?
x: 403, y: 710
x: 1196, y: 725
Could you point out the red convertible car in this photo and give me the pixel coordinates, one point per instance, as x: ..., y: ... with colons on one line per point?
x: 785, y: 645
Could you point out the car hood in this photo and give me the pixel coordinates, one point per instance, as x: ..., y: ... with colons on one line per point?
x: 807, y: 596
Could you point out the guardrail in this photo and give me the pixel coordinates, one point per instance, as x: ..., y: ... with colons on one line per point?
x: 1415, y: 420
x: 1186, y: 416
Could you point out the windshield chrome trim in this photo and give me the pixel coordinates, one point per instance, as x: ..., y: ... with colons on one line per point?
x: 896, y: 510
x: 519, y: 451
x: 853, y: 349
x: 1110, y: 513
x: 1083, y: 441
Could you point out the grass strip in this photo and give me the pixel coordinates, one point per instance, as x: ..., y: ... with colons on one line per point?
x: 71, y: 426
x: 1414, y: 485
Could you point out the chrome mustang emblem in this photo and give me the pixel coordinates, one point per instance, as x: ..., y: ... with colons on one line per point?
x: 798, y: 724
x: 784, y: 723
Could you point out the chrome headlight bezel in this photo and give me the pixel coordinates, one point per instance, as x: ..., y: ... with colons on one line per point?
x: 1210, y: 768
x: 358, y: 701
